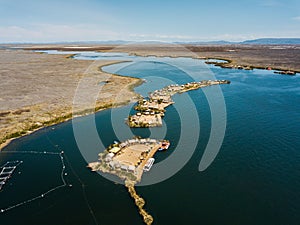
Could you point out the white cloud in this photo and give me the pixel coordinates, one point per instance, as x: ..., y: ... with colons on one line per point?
x: 17, y: 33
x: 52, y: 33
x: 296, y: 18
x: 164, y: 37
x: 234, y: 37
x: 84, y: 32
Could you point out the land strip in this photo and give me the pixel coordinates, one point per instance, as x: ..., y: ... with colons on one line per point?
x: 277, y: 57
x: 37, y: 90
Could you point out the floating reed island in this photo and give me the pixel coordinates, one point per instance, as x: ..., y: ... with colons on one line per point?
x: 151, y: 110
x: 131, y: 158
x: 128, y: 160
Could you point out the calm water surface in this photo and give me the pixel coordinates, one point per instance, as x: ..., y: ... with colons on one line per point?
x: 253, y: 180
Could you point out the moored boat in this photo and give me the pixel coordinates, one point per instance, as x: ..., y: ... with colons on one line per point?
x: 149, y: 164
x: 164, y: 146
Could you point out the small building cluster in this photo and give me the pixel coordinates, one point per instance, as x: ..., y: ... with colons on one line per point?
x: 129, y: 155
x: 151, y: 111
x: 145, y: 119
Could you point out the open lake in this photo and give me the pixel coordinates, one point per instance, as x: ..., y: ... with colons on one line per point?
x: 253, y: 180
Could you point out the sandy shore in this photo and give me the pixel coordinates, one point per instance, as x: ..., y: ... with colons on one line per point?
x: 37, y: 90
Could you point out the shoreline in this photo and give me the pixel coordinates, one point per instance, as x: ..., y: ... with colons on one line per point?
x: 70, y: 115
x: 229, y: 64
x: 244, y: 56
x: 60, y: 119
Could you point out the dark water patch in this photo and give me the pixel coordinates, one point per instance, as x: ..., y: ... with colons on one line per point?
x: 253, y: 180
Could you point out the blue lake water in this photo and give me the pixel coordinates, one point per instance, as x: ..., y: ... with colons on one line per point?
x: 253, y: 180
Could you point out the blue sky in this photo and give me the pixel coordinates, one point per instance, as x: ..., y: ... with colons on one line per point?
x: 163, y: 20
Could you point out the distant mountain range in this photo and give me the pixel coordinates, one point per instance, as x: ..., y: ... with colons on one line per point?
x: 274, y: 41
x: 261, y: 41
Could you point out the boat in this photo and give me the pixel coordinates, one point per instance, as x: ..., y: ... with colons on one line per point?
x: 149, y: 164
x: 164, y: 146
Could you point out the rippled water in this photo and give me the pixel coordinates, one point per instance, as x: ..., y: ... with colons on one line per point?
x: 253, y: 180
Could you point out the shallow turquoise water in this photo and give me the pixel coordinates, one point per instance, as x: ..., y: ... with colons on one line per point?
x: 253, y: 180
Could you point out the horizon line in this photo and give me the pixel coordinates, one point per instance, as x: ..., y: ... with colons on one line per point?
x: 161, y: 41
